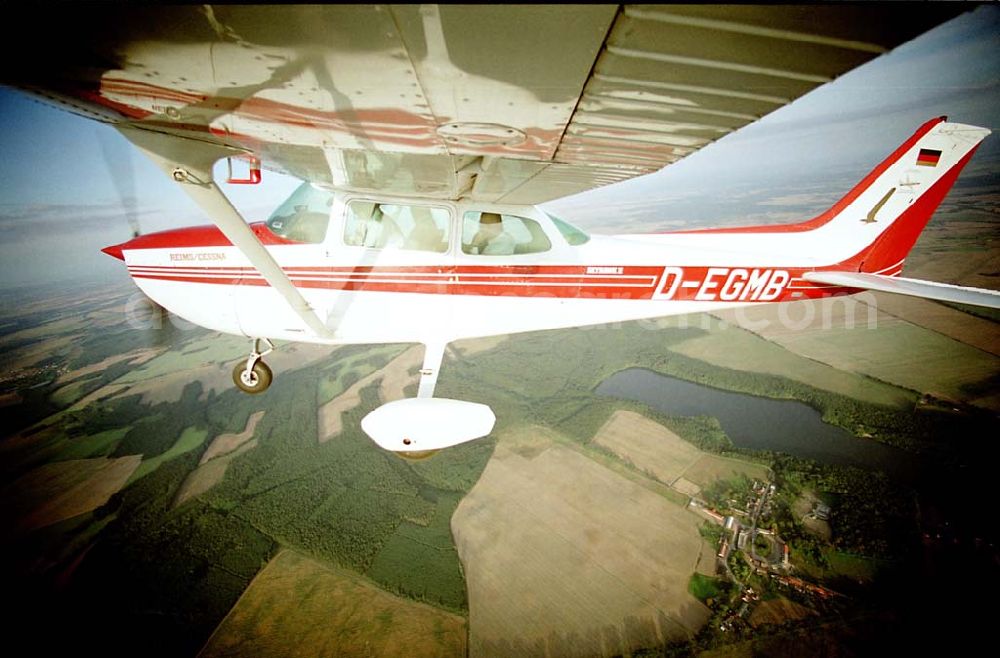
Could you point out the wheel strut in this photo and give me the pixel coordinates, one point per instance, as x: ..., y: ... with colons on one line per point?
x: 254, y: 376
x: 256, y: 354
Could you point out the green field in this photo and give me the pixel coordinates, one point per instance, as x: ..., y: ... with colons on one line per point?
x: 350, y: 368
x: 189, y: 439
x: 710, y: 468
x: 704, y: 587
x: 930, y: 362
x: 729, y: 346
x: 856, y: 567
x: 213, y: 348
x: 101, y: 444
x: 891, y: 350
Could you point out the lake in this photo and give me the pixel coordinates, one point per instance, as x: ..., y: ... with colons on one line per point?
x: 759, y: 423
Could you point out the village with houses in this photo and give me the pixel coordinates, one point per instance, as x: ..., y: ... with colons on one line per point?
x: 756, y: 560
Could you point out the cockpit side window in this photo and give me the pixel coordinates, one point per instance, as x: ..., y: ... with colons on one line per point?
x: 572, y: 234
x: 397, y: 226
x: 493, y: 234
x: 304, y: 216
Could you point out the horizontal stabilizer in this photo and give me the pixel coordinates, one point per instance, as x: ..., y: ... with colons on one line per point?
x: 913, y: 287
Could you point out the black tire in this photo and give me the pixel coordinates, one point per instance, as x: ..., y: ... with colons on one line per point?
x: 260, y: 375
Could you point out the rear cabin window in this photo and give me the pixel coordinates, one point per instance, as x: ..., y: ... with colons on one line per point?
x: 570, y: 233
x: 494, y: 234
x: 304, y: 216
x: 397, y: 226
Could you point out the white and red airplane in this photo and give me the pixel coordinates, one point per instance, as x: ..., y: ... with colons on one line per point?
x: 427, y: 135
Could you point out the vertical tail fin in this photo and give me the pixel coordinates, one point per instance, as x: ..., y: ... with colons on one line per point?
x: 882, y: 217
x: 874, y: 226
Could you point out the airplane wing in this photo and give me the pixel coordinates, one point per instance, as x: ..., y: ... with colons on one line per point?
x: 912, y: 287
x: 503, y: 103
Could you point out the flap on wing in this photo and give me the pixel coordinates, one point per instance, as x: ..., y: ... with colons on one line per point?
x: 914, y: 287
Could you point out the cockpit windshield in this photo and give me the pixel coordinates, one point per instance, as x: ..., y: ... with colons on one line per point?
x: 304, y: 216
x: 572, y: 234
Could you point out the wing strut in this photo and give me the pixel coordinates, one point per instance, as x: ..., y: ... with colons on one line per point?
x: 189, y: 163
x: 433, y: 355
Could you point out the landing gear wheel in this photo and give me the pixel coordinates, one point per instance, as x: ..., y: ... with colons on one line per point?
x: 416, y: 455
x: 255, y: 381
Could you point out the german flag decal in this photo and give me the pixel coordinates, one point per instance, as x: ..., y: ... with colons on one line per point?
x: 928, y: 157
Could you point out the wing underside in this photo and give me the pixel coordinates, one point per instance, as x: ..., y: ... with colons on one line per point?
x: 505, y: 103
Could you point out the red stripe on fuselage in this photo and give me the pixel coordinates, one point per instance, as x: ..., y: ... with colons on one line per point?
x: 708, y: 284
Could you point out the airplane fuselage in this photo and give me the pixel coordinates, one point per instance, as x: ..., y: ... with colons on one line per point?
x: 338, y: 267
x: 394, y: 269
x: 386, y: 294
